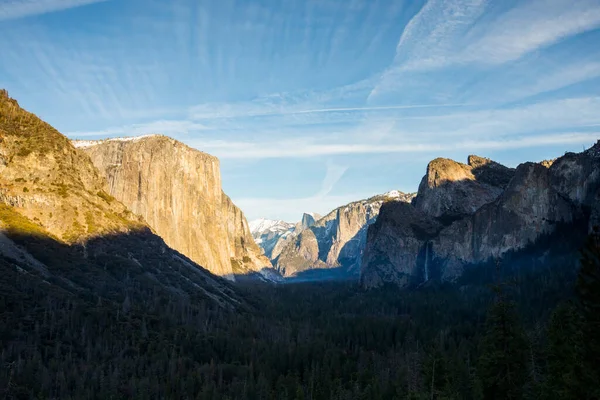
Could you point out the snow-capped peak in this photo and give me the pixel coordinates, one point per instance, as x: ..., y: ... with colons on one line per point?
x: 397, y: 195
x: 263, y: 225
x: 393, y: 194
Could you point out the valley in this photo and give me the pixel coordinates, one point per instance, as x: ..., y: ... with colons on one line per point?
x: 127, y: 272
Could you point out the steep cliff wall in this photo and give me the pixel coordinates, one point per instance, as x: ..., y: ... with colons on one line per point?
x: 465, y: 215
x: 177, y: 190
x: 395, y: 245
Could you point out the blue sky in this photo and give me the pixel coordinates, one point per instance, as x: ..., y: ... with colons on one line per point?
x: 312, y: 104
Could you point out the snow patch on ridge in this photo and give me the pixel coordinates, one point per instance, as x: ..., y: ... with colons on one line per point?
x: 393, y: 194
x: 90, y: 143
x: 264, y: 225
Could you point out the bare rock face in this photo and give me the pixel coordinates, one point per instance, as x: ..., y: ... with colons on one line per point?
x: 177, y: 190
x: 477, y: 212
x: 490, y: 172
x: 452, y: 190
x: 246, y: 256
x: 526, y: 210
x: 308, y: 220
x: 334, y: 241
x: 395, y: 245
x: 577, y: 176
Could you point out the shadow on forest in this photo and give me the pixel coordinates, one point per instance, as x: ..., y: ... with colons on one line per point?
x: 128, y: 267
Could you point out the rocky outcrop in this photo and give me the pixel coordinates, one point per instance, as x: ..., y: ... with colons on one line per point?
x: 335, y: 241
x: 177, y: 190
x: 477, y: 212
x: 452, y: 190
x: 308, y: 220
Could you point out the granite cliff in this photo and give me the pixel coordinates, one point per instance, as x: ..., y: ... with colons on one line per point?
x: 335, y: 241
x: 63, y: 233
x: 467, y: 215
x: 177, y: 191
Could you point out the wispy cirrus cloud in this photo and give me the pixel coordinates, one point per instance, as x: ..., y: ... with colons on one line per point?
x: 445, y: 34
x: 12, y: 9
x: 248, y: 110
x: 333, y: 175
x: 453, y: 32
x: 308, y: 148
x: 528, y: 27
x: 397, y: 130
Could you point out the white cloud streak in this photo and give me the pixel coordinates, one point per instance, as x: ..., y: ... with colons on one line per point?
x: 529, y: 27
x: 333, y: 175
x: 12, y: 9
x: 283, y: 149
x: 245, y: 110
x: 457, y: 33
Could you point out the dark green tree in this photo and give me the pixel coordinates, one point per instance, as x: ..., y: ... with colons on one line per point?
x: 588, y: 293
x: 565, y: 373
x: 502, y: 366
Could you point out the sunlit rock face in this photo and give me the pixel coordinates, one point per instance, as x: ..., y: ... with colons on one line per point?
x: 45, y: 179
x: 335, y: 241
x: 177, y: 190
x: 468, y: 214
x: 451, y: 189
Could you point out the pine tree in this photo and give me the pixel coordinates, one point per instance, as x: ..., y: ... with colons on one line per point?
x: 502, y: 367
x: 588, y: 292
x: 565, y: 372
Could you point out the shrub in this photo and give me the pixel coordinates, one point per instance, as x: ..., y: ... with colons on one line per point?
x: 105, y: 196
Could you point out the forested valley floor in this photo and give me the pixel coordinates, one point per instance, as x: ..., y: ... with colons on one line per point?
x: 531, y: 335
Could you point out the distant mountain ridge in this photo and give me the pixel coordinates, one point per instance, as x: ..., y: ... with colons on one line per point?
x: 334, y: 243
x: 269, y: 233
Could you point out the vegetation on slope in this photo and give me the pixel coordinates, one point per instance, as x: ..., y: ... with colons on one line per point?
x: 305, y: 341
x: 44, y: 178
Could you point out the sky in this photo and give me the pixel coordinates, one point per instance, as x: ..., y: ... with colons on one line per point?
x: 311, y: 104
